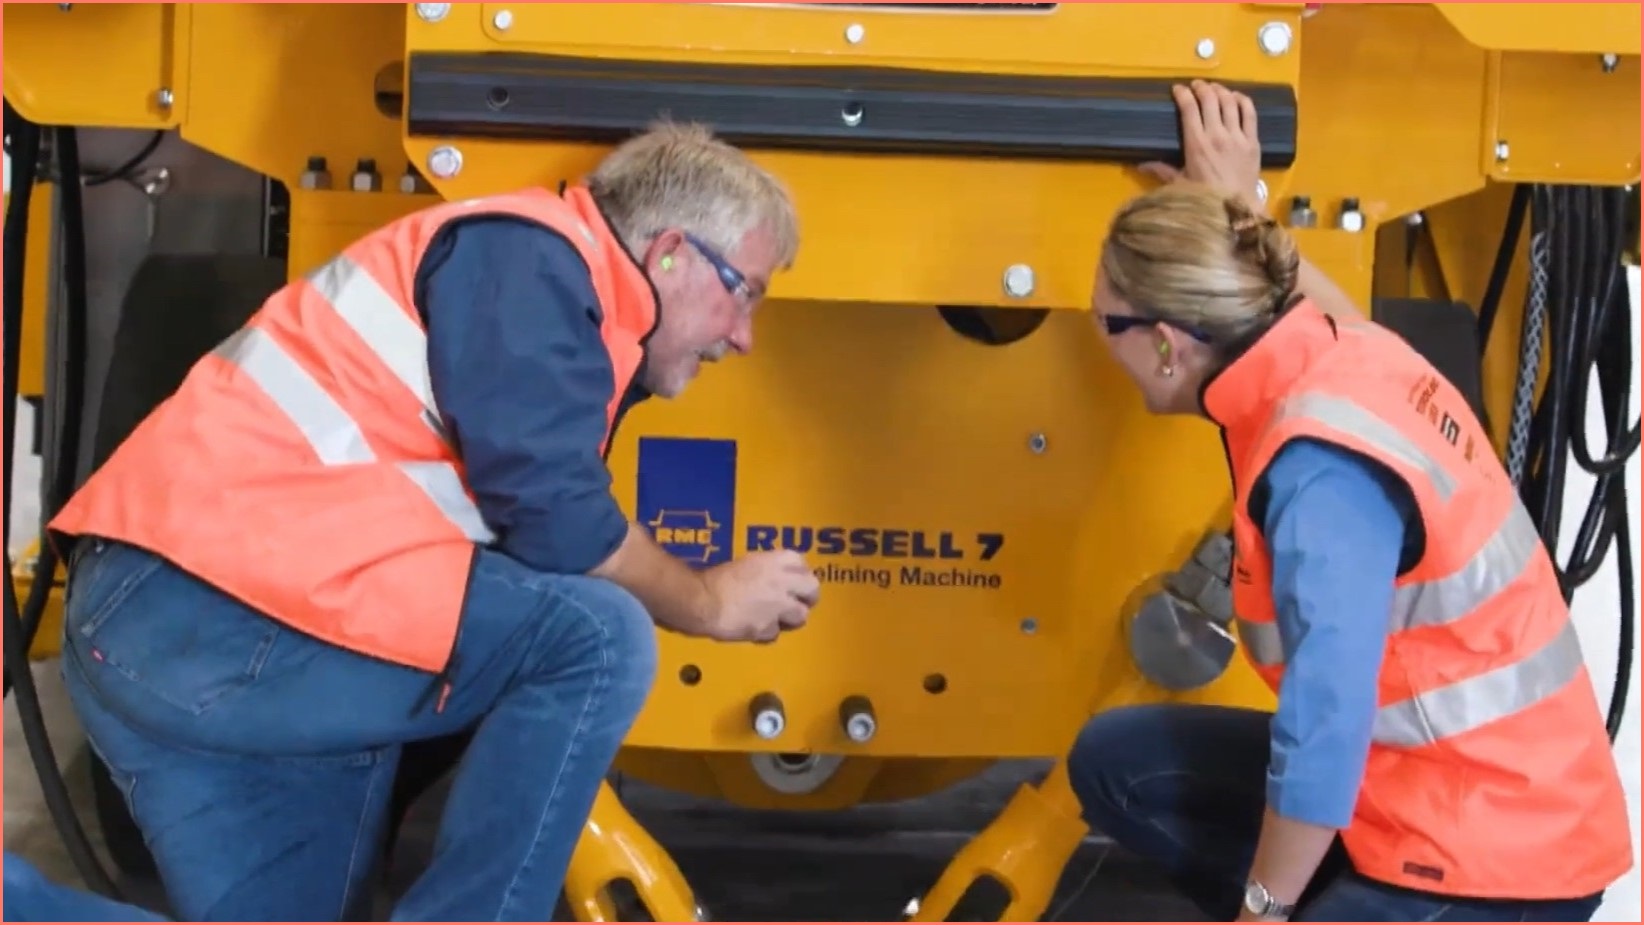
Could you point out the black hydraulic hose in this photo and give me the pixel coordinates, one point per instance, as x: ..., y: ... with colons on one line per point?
x: 1516, y: 210
x: 123, y: 172
x: 24, y: 138
x: 23, y: 141
x: 1591, y: 332
x: 43, y: 757
x: 69, y: 386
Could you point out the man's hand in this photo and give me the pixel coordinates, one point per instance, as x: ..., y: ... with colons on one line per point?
x: 759, y: 595
x: 1219, y: 141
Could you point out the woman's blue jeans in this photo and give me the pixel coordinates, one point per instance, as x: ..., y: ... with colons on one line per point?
x: 1185, y: 786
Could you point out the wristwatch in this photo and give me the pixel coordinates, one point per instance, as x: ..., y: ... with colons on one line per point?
x: 1261, y: 903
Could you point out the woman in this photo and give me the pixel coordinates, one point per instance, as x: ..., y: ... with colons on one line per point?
x: 1437, y: 753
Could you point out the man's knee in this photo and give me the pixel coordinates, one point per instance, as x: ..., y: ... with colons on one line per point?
x: 627, y: 636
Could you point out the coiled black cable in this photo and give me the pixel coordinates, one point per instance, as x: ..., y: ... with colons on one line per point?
x: 1589, y: 310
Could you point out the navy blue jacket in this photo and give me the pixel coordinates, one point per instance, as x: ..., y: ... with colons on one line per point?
x: 522, y: 379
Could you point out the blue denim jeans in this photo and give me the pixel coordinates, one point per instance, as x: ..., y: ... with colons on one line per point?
x: 30, y: 897
x: 1185, y: 786
x: 259, y: 762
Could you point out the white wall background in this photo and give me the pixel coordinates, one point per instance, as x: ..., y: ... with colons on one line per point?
x: 1596, y: 605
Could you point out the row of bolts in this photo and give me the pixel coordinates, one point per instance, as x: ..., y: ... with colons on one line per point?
x: 1018, y: 278
x: 768, y: 717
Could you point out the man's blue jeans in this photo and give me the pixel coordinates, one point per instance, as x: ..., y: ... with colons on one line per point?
x: 30, y: 897
x: 1185, y: 786
x: 259, y: 762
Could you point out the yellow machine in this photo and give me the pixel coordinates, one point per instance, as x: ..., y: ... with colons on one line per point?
x: 1008, y: 541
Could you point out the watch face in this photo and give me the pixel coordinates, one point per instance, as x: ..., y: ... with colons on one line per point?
x: 1255, y: 898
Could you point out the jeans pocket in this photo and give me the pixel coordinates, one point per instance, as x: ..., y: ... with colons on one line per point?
x: 167, y: 636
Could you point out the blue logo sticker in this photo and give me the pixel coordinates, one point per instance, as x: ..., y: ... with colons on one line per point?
x: 687, y: 496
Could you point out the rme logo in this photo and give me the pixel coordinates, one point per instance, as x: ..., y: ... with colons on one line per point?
x: 689, y: 535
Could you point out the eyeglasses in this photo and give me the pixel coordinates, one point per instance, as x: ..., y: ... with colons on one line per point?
x: 1118, y: 324
x: 730, y: 277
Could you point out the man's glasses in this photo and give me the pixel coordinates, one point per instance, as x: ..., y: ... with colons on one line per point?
x: 730, y: 277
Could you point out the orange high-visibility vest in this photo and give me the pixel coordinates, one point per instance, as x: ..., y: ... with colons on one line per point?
x: 302, y: 467
x: 1490, y: 773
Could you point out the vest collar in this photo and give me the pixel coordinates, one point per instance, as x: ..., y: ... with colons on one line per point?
x: 636, y: 301
x: 1243, y: 392
x: 636, y: 307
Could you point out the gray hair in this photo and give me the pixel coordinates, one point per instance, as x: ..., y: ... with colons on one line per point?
x: 680, y: 175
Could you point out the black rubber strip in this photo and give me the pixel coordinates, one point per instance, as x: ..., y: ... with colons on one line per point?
x: 826, y: 109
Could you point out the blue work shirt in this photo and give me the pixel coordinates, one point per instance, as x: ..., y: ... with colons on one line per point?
x: 1339, y: 528
x: 522, y: 379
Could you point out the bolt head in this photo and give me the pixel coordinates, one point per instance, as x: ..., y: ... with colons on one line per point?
x: 1206, y: 48
x: 504, y: 19
x: 1037, y: 443
x: 1274, y: 38
x: 1501, y: 150
x: 433, y: 12
x: 854, y: 33
x: 445, y: 162
x: 1018, y: 281
x: 1609, y: 61
x: 1352, y: 221
x: 860, y: 728
x: 164, y: 97
x: 768, y: 725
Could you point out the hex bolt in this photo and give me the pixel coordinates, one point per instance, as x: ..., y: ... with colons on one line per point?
x: 1301, y: 212
x: 766, y: 716
x: 1206, y: 48
x: 854, y: 33
x: 445, y: 162
x: 1037, y: 443
x: 164, y: 97
x: 504, y: 20
x: 432, y: 12
x: 1029, y: 626
x: 1274, y: 38
x: 1609, y: 61
x: 315, y: 175
x: 1501, y: 151
x: 1019, y: 281
x: 856, y: 718
x: 1351, y: 219
x: 365, y: 178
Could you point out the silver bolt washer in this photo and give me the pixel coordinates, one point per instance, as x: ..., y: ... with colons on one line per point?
x: 1019, y: 281
x: 433, y: 12
x: 503, y: 20
x: 445, y: 162
x: 1274, y: 38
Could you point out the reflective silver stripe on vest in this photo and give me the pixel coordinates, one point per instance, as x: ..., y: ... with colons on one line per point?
x: 396, y: 339
x: 1262, y: 641
x: 334, y: 436
x: 1345, y: 415
x: 441, y: 483
x: 1470, y: 704
x: 1497, y: 564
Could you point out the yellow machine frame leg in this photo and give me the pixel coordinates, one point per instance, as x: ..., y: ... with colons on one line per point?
x: 1025, y: 849
x: 615, y: 847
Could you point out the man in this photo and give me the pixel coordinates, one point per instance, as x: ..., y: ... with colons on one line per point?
x: 380, y: 514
